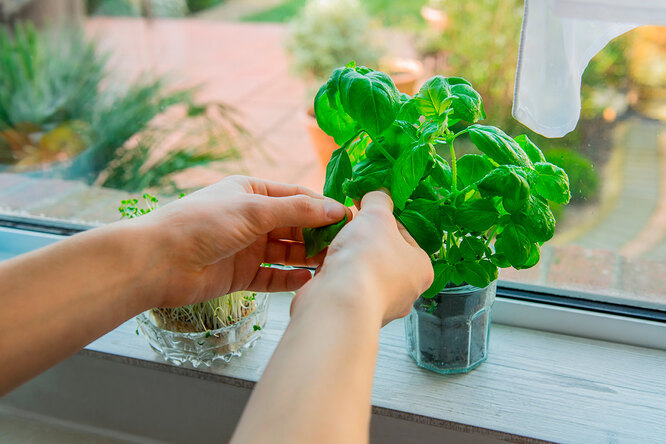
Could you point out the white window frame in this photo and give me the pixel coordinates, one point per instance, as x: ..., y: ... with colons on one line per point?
x: 628, y: 328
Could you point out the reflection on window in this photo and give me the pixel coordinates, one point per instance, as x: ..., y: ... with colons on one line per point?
x: 127, y: 96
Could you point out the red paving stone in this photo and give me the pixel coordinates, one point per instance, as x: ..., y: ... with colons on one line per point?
x: 243, y: 65
x: 581, y: 268
x: 644, y: 280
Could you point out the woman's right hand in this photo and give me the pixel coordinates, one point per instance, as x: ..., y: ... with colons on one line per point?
x: 373, y: 264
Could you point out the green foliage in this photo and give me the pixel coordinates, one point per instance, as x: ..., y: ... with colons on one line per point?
x: 137, y: 8
x: 200, y: 5
x: 326, y: 34
x: 455, y: 211
x: 583, y: 176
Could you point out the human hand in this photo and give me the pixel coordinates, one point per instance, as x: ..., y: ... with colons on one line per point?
x: 373, y: 265
x: 214, y: 241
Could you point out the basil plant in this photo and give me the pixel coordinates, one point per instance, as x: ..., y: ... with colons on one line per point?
x: 472, y: 215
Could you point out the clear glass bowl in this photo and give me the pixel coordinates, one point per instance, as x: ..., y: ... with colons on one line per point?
x: 203, y: 348
x: 452, y: 335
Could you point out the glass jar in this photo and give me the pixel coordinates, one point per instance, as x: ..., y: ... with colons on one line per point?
x: 203, y: 348
x: 449, y: 333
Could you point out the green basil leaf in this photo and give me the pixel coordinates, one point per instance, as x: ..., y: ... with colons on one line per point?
x: 434, y: 97
x: 472, y: 168
x: 537, y: 219
x: 552, y: 182
x: 498, y: 146
x: 317, y: 239
x: 514, y: 243
x: 339, y: 169
x: 409, y: 111
x: 428, y: 208
x: 442, y: 278
x: 398, y: 137
x: 499, y: 259
x: 441, y: 173
x: 511, y: 183
x: 458, y: 81
x: 374, y: 176
x: 446, y: 215
x: 476, y: 215
x: 532, y: 151
x: 424, y: 190
x: 424, y: 232
x: 370, y: 98
x: 332, y: 119
x: 407, y: 173
x: 491, y: 270
x: 472, y: 248
x: 533, y: 257
x: 357, y: 148
x: 474, y: 274
x: 466, y: 103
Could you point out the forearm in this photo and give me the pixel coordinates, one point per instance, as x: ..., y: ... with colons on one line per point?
x: 317, y: 386
x: 60, y: 298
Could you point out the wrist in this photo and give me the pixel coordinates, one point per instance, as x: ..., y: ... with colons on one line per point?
x: 356, y: 300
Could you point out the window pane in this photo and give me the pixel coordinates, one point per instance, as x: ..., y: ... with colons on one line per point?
x: 165, y: 96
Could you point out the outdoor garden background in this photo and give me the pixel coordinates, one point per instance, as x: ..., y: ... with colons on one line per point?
x: 165, y: 96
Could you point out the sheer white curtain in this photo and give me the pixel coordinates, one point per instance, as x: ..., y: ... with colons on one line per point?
x: 559, y: 37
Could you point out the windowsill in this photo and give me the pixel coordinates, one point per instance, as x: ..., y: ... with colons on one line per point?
x: 534, y: 385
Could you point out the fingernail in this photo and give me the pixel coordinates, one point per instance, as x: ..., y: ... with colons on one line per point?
x: 334, y: 210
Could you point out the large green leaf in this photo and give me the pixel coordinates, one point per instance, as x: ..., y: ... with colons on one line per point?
x: 476, y: 215
x: 338, y: 170
x: 424, y: 232
x: 472, y: 168
x: 537, y: 219
x: 370, y: 98
x: 498, y: 146
x: 407, y: 173
x: 466, y: 103
x: 532, y: 151
x: 552, y: 182
x: 443, y: 272
x: 511, y: 183
x: 434, y: 97
x: 369, y: 177
x: 514, y: 244
x: 332, y: 119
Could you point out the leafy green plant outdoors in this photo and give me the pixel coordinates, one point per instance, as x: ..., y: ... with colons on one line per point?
x: 53, y: 108
x: 327, y: 34
x: 478, y: 213
x: 206, y: 316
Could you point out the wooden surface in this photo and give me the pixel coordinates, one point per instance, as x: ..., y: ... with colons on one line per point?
x: 534, y: 386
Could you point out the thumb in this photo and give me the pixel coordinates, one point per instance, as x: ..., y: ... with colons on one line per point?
x: 301, y: 211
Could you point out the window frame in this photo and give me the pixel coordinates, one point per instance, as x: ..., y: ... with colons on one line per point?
x: 519, y: 305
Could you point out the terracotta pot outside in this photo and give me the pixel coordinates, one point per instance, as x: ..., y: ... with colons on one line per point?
x: 323, y: 143
x: 406, y: 73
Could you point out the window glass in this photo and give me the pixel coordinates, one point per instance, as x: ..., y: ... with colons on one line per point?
x: 105, y: 99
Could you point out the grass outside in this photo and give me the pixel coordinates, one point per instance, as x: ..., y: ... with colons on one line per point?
x: 403, y: 13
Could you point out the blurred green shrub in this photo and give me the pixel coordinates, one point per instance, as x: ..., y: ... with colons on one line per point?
x: 584, y: 178
x: 137, y: 8
x: 328, y: 34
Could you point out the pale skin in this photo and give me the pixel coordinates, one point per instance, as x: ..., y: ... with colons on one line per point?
x: 317, y: 385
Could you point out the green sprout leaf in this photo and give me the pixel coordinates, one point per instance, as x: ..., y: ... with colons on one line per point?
x: 532, y: 151
x: 467, y: 104
x: 552, y: 182
x: 434, y: 97
x: 407, y: 173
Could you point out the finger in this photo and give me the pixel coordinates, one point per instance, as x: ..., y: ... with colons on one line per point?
x: 273, y: 279
x: 405, y: 234
x: 377, y: 200
x: 289, y: 253
x: 300, y: 211
x: 277, y: 189
x: 287, y: 233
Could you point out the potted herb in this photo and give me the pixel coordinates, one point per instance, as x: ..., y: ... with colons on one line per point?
x: 472, y: 214
x: 201, y: 333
